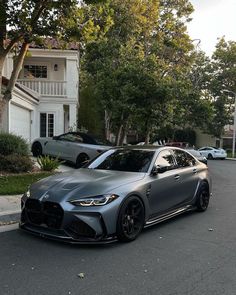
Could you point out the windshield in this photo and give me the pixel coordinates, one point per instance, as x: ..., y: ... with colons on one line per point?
x: 124, y: 160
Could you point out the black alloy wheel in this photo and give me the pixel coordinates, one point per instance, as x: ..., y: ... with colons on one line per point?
x: 37, y: 149
x: 210, y: 157
x: 81, y: 160
x: 130, y: 220
x: 203, y: 198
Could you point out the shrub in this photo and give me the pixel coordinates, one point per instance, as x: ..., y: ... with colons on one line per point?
x: 15, y: 163
x: 13, y: 144
x: 48, y: 164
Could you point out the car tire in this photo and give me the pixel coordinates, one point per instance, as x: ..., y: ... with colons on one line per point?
x: 203, y: 197
x: 37, y: 149
x: 81, y: 160
x: 130, y: 220
x: 210, y: 157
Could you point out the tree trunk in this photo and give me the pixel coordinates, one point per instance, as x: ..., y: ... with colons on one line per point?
x: 2, y: 102
x: 118, y: 135
x: 16, y: 70
x: 147, y: 138
x: 124, y: 132
x: 107, y: 118
x: 2, y: 59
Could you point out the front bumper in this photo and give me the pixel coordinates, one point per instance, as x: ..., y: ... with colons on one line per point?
x: 50, y: 220
x: 62, y: 236
x: 220, y: 156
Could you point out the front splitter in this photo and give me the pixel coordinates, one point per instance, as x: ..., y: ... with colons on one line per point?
x: 61, y: 237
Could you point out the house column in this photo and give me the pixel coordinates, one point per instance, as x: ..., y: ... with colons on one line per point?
x: 72, y: 78
x: 73, y: 116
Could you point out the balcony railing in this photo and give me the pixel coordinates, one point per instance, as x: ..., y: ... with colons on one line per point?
x: 45, y: 88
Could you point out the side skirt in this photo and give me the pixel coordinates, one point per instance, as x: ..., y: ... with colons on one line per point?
x: 168, y: 215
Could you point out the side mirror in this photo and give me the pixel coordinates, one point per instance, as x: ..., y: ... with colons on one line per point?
x: 158, y: 169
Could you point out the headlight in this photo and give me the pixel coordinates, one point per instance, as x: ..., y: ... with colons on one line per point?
x: 94, y: 201
x: 27, y: 193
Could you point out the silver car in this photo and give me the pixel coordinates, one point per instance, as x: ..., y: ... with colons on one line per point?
x: 74, y: 147
x: 116, y: 195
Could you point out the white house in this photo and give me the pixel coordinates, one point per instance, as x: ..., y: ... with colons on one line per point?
x: 45, y: 98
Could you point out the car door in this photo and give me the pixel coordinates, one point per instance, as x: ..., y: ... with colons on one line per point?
x: 187, y: 169
x: 164, y: 186
x: 58, y: 146
x: 205, y: 151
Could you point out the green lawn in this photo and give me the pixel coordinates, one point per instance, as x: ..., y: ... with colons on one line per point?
x: 18, y: 184
x: 229, y: 155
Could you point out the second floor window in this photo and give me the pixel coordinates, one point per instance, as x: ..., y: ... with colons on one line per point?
x: 35, y: 71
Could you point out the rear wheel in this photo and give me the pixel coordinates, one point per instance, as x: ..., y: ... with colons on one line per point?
x: 81, y: 160
x: 203, y: 197
x: 210, y: 157
x: 130, y: 219
x: 37, y: 149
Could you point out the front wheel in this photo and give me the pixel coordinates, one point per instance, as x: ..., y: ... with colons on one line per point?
x: 203, y: 197
x: 130, y: 219
x: 81, y: 160
x: 37, y: 149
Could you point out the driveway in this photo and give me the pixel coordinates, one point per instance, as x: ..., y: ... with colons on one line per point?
x: 191, y: 254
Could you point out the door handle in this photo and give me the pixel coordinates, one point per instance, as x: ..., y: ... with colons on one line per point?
x: 177, y: 176
x: 194, y: 170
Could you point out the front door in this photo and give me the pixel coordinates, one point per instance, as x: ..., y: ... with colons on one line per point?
x: 164, y: 193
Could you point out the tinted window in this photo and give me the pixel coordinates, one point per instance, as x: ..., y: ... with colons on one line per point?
x: 71, y: 137
x: 165, y: 159
x: 124, y: 160
x: 184, y: 159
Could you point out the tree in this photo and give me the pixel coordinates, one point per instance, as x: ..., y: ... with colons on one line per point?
x: 223, y: 78
x: 23, y: 22
x: 136, y: 66
x: 192, y: 107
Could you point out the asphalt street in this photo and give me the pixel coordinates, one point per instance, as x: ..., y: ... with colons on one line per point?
x: 191, y: 254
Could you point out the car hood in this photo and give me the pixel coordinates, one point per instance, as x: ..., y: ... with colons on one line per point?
x: 81, y: 183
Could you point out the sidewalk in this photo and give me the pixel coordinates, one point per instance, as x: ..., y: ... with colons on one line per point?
x: 10, y: 206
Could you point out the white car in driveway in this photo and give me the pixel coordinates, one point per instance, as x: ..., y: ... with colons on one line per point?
x: 213, y: 153
x: 74, y: 147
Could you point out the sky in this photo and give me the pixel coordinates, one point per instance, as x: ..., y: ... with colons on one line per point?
x: 212, y: 19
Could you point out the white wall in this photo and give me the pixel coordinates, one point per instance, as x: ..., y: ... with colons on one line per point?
x: 53, y: 75
x: 203, y: 139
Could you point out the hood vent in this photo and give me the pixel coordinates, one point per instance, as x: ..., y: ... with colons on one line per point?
x: 69, y: 186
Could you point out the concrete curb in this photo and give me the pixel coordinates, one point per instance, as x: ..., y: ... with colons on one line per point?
x: 231, y: 159
x: 9, y: 217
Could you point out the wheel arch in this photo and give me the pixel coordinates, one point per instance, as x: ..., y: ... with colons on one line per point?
x: 133, y: 194
x: 37, y: 142
x: 81, y: 154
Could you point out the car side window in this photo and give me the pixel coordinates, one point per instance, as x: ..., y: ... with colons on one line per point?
x: 71, y: 137
x: 165, y: 159
x: 183, y: 159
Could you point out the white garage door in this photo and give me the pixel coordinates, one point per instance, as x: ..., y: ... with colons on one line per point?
x: 20, y: 121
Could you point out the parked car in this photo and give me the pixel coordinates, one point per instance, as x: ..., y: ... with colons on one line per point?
x: 213, y: 153
x: 74, y: 147
x: 197, y: 155
x: 116, y: 195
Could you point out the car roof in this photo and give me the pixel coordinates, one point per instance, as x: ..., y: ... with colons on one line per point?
x: 147, y: 147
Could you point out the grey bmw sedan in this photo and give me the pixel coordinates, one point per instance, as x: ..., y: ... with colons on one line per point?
x: 116, y: 195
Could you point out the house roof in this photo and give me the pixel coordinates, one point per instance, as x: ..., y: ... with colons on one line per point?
x: 22, y: 88
x: 51, y: 43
